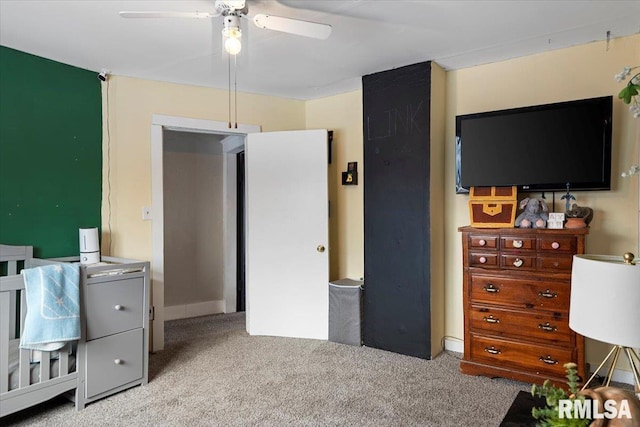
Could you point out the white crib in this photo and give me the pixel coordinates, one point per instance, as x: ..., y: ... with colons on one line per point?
x: 25, y: 382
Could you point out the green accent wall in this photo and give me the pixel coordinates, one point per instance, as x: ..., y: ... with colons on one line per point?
x: 50, y: 153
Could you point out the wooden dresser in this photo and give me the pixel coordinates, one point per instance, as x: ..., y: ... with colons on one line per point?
x: 516, y: 293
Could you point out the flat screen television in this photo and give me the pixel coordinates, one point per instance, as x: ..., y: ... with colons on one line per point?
x: 537, y: 148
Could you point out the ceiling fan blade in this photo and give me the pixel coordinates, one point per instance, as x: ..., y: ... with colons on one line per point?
x: 293, y: 26
x: 152, y: 14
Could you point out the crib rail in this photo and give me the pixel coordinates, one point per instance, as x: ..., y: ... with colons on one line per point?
x: 13, y: 258
x: 8, y: 287
x: 12, y: 254
x: 13, y: 310
x: 11, y: 289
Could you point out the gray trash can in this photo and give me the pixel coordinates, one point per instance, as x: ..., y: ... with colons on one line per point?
x: 345, y: 311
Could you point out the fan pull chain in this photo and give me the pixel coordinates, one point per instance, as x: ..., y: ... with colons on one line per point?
x: 235, y: 89
x: 229, y: 86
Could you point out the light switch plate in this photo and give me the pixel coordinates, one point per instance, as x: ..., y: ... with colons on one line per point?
x: 146, y: 213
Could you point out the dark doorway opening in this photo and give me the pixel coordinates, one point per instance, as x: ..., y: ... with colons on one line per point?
x: 240, y: 268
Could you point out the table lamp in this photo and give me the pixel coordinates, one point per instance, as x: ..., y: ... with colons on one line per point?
x: 605, y: 306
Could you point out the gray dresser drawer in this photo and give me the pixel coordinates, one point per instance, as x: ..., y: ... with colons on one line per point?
x: 114, y: 361
x: 114, y: 307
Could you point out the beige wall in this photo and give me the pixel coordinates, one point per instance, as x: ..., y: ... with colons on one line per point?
x: 580, y: 72
x: 127, y: 146
x: 575, y: 73
x: 343, y: 115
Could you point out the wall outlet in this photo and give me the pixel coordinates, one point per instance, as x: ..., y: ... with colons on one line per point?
x: 146, y: 213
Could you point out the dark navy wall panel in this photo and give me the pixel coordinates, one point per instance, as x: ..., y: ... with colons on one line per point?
x: 396, y: 107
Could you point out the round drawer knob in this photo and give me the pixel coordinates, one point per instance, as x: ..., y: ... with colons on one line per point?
x: 483, y: 260
x: 518, y: 262
x: 118, y: 307
x: 555, y: 245
x: 119, y: 362
x: 517, y: 243
x: 482, y: 242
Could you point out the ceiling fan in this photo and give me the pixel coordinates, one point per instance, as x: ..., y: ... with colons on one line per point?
x: 232, y: 11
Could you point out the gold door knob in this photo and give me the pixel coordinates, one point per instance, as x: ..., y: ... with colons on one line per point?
x: 320, y: 248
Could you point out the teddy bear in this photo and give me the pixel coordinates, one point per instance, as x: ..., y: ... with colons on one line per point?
x: 535, y: 214
x: 580, y: 212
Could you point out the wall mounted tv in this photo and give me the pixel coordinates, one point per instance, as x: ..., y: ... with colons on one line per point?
x: 538, y: 148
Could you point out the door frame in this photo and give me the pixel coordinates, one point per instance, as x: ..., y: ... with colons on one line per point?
x: 231, y: 145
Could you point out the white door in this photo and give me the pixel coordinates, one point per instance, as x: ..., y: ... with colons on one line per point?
x: 287, y: 267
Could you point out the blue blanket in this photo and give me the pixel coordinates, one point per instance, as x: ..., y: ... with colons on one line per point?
x: 53, y: 306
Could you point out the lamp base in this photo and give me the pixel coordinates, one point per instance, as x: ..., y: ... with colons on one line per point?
x: 634, y: 362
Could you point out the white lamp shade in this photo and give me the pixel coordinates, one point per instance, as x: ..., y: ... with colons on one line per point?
x: 605, y: 299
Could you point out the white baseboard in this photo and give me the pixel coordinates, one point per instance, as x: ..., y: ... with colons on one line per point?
x: 621, y: 376
x: 455, y: 345
x: 194, y: 310
x: 625, y: 377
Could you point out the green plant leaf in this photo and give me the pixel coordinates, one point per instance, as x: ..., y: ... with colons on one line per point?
x: 628, y: 92
x: 549, y: 416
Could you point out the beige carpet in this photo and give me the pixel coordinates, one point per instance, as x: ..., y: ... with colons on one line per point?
x: 212, y: 373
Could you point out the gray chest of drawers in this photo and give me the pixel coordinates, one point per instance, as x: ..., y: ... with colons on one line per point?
x: 113, y: 352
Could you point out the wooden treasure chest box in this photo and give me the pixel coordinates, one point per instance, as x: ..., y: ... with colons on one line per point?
x: 493, y: 207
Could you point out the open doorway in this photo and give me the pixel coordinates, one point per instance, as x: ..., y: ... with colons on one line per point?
x: 193, y: 226
x: 231, y: 142
x: 241, y: 288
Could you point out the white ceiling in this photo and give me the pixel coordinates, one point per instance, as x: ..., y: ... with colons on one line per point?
x: 368, y: 36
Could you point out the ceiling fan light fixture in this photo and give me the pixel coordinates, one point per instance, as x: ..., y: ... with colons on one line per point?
x: 232, y: 35
x: 233, y: 45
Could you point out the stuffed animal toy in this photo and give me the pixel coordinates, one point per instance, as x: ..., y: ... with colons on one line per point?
x: 580, y: 212
x: 535, y: 214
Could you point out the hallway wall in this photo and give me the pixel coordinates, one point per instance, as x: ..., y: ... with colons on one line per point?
x: 193, y: 226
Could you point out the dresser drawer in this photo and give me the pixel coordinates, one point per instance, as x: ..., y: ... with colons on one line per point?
x: 521, y: 293
x: 484, y: 242
x: 114, y: 361
x: 484, y: 259
x: 557, y: 244
x: 536, y: 358
x: 114, y: 307
x: 558, y: 263
x: 539, y: 326
x: 518, y: 243
x: 518, y: 262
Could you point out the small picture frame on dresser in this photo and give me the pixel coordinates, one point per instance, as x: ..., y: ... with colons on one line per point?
x: 556, y: 220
